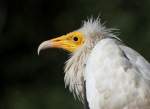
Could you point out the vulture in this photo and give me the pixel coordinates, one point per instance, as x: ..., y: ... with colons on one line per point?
x: 102, y: 70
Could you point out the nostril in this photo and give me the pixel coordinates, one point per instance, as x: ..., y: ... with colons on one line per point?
x: 57, y: 40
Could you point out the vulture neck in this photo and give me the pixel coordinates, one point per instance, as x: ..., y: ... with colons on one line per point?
x: 74, y: 70
x: 75, y: 67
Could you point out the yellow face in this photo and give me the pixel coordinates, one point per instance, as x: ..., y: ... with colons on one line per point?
x: 69, y: 42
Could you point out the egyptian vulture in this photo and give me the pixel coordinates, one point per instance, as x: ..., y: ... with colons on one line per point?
x: 115, y: 75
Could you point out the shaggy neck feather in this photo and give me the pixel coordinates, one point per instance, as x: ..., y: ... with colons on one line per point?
x: 74, y: 71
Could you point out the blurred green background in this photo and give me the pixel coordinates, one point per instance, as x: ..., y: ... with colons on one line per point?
x: 29, y: 81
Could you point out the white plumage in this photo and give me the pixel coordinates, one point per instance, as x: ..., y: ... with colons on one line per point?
x: 116, y: 76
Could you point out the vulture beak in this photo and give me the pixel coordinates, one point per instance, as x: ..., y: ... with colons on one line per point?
x: 60, y: 42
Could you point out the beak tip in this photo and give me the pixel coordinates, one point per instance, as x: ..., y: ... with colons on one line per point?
x: 38, y: 51
x: 43, y: 45
x: 40, y: 48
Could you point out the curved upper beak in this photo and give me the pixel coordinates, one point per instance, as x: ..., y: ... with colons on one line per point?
x: 60, y: 42
x: 44, y: 45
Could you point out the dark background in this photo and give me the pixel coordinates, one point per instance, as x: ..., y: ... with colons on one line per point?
x: 29, y: 81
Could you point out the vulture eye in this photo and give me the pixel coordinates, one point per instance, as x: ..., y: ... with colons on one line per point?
x: 75, y: 38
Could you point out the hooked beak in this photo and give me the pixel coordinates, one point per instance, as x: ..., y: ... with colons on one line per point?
x: 60, y: 42
x: 44, y: 45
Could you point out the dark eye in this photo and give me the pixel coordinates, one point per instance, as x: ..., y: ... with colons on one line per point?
x: 75, y: 38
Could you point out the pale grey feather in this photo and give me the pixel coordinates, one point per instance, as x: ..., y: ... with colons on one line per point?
x: 113, y: 80
x: 138, y: 61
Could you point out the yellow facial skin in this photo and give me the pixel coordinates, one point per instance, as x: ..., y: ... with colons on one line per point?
x: 69, y: 42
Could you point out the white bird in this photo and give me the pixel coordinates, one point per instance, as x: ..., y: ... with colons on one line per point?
x: 116, y: 76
